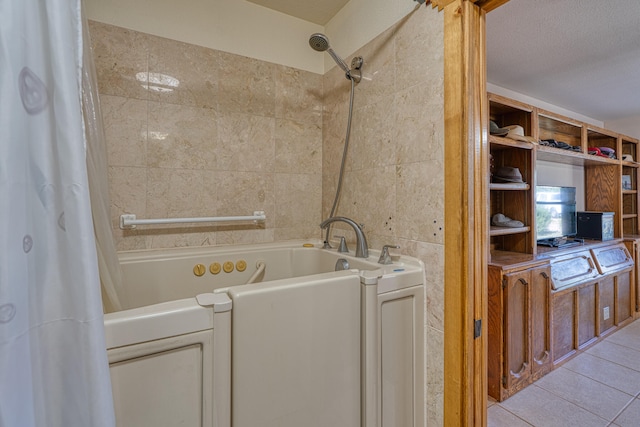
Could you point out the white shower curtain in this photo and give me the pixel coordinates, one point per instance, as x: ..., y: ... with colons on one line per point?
x: 53, y: 364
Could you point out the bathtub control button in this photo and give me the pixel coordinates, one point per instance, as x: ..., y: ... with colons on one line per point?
x: 241, y: 265
x: 199, y: 269
x: 227, y: 267
x: 215, y: 268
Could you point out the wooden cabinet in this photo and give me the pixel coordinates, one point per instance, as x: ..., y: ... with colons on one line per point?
x: 598, y: 301
x: 544, y: 309
x: 518, y: 327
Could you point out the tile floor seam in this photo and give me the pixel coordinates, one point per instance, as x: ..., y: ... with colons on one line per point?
x: 612, y: 361
x: 567, y: 401
x: 614, y: 339
x: 593, y: 413
x: 587, y: 409
x: 600, y: 382
x: 515, y: 415
x: 622, y: 410
x: 579, y: 405
x: 608, y: 422
x: 625, y: 346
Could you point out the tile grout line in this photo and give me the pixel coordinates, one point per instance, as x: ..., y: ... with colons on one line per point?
x: 557, y: 396
x: 600, y: 382
x: 612, y: 361
x: 515, y: 415
x: 623, y: 409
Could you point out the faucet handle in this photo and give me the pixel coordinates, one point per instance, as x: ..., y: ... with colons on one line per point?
x: 343, y: 245
x: 385, y: 257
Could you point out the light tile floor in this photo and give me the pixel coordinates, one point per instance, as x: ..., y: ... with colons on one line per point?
x: 600, y: 388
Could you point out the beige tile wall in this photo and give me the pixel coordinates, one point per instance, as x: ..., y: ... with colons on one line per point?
x: 394, y: 180
x: 239, y: 135
x: 234, y: 136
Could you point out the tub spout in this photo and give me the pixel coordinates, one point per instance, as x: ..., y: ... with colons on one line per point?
x: 362, y: 248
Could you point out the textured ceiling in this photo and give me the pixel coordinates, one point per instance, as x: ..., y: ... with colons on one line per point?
x: 582, y: 55
x: 316, y: 11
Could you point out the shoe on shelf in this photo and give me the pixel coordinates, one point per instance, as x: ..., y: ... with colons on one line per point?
x: 499, y: 220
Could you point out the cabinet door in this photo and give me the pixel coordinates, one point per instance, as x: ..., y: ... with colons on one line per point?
x: 588, y: 297
x: 606, y: 298
x: 624, y: 296
x: 564, y: 311
x: 572, y: 269
x: 516, y: 327
x: 632, y: 247
x: 540, y: 323
x: 612, y: 258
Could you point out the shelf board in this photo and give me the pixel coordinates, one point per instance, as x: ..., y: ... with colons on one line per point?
x: 570, y: 157
x: 629, y: 191
x: 509, y: 186
x: 629, y: 216
x: 630, y: 164
x: 509, y: 143
x: 505, y: 231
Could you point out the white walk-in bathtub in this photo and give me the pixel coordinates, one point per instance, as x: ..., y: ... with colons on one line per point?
x: 304, y: 345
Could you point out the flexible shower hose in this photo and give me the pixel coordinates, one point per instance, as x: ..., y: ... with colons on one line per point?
x: 342, y: 164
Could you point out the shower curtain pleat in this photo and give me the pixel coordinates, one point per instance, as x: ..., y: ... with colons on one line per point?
x: 108, y: 264
x: 53, y: 363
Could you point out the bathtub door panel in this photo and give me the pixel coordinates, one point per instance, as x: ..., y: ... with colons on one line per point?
x: 401, y: 372
x: 166, y: 382
x: 296, y: 354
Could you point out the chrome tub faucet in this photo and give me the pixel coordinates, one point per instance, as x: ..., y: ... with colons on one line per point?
x: 362, y: 248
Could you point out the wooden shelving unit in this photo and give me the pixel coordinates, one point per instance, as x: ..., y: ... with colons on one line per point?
x: 514, y: 200
x: 630, y: 178
x: 603, y: 175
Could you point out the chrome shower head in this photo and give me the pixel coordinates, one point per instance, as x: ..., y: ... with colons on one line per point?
x: 320, y: 42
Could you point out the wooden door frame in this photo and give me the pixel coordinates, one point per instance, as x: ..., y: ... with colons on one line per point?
x: 466, y: 210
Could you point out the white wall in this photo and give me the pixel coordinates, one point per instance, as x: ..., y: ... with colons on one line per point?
x: 234, y: 26
x: 498, y: 90
x: 558, y: 174
x: 247, y: 29
x: 629, y: 126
